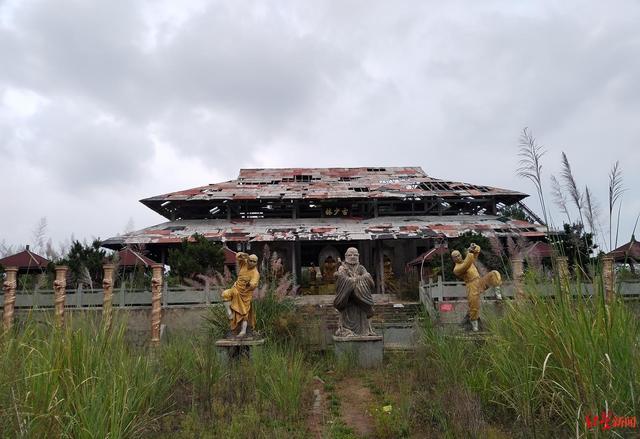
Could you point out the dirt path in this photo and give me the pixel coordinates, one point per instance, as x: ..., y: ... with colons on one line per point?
x: 355, y: 402
x: 317, y: 418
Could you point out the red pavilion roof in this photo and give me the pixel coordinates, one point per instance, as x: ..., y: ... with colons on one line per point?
x: 25, y: 260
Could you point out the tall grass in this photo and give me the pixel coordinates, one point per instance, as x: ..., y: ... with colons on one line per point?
x: 83, y: 382
x: 281, y: 380
x: 561, y: 359
x: 549, y: 362
x: 77, y: 382
x: 193, y: 362
x: 266, y: 395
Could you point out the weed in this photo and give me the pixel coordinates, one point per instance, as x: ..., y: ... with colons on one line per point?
x: 77, y: 381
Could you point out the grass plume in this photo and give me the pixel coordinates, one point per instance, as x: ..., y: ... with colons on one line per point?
x: 559, y: 197
x: 530, y: 165
x: 591, y: 210
x: 616, y: 189
x: 572, y: 186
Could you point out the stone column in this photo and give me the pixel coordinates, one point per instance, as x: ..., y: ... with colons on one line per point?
x: 517, y: 271
x: 60, y: 293
x: 562, y: 264
x: 107, y: 294
x: 9, y: 287
x: 608, y: 274
x: 156, y: 303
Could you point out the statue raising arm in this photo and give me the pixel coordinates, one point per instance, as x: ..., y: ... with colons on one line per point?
x: 462, y: 267
x: 241, y: 259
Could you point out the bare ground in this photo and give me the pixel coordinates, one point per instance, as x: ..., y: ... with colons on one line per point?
x: 355, y: 402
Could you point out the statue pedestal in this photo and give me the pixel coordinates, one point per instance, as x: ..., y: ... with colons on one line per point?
x: 235, y: 348
x: 366, y: 350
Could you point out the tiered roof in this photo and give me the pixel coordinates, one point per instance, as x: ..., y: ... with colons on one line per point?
x: 329, y: 229
x: 291, y: 184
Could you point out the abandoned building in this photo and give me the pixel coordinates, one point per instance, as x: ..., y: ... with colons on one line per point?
x: 311, y: 216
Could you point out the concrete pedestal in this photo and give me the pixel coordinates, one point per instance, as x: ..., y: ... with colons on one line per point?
x: 235, y: 348
x: 366, y: 350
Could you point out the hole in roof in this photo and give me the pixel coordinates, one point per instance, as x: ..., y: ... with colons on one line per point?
x: 175, y: 228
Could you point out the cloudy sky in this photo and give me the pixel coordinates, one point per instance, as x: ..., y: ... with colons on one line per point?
x: 104, y: 103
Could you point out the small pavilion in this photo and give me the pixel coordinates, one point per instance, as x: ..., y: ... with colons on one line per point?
x: 537, y: 251
x: 26, y: 261
x: 628, y: 253
x: 129, y: 259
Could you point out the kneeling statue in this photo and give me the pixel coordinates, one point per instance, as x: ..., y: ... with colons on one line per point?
x: 354, y: 299
x: 237, y: 299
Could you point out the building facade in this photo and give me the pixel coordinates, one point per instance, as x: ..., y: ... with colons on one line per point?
x: 308, y: 215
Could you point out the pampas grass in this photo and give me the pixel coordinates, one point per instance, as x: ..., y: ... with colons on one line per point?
x: 591, y: 210
x: 559, y: 198
x: 571, y: 186
x: 616, y: 190
x: 530, y: 165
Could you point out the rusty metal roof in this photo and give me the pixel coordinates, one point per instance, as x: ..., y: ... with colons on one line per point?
x: 326, y: 229
x: 334, y: 183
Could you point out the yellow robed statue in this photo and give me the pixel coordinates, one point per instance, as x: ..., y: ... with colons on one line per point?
x: 237, y: 299
x: 466, y: 270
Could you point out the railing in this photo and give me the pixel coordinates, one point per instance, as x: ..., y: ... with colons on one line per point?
x: 181, y: 296
x: 122, y: 297
x: 440, y: 291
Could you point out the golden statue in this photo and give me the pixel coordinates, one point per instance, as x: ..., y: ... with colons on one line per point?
x: 237, y: 299
x: 466, y: 270
x: 329, y: 270
x: 313, y: 274
x: 390, y: 285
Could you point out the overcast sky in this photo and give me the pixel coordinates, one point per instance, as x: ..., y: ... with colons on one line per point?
x: 105, y: 103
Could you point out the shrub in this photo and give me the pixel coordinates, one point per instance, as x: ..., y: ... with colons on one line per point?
x: 85, y: 263
x: 196, y: 255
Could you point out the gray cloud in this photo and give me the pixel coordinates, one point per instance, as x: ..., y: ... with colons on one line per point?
x: 217, y: 86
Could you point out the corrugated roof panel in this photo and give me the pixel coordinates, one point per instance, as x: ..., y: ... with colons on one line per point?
x: 326, y: 229
x: 338, y: 183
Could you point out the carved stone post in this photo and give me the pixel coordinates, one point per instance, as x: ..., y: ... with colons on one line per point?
x: 562, y: 262
x: 60, y: 293
x: 107, y: 297
x: 156, y: 303
x: 9, y: 287
x: 517, y: 269
x: 608, y: 274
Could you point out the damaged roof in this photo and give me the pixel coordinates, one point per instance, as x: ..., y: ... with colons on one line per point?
x: 326, y: 229
x: 334, y: 183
